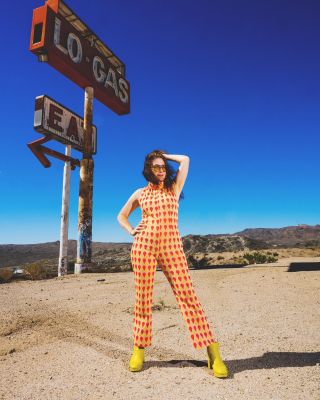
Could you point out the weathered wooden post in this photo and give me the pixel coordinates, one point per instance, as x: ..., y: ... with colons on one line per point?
x: 63, y: 254
x: 84, y: 245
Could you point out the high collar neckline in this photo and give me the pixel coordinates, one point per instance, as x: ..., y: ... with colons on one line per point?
x: 159, y: 186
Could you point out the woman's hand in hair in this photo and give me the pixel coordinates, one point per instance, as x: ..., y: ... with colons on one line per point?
x: 159, y: 152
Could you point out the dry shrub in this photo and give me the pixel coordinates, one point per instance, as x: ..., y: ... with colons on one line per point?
x: 5, y: 274
x: 240, y: 261
x: 258, y: 257
x: 36, y: 271
x: 159, y: 306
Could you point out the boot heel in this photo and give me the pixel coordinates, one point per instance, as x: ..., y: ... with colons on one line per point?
x: 220, y: 370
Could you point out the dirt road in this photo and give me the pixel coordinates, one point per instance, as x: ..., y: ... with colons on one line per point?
x: 71, y: 338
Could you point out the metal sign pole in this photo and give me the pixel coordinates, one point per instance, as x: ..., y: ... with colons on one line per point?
x: 86, y: 191
x: 63, y: 255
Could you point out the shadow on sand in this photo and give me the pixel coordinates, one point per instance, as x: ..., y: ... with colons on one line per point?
x: 304, y: 266
x: 270, y: 360
x: 218, y: 266
x: 293, y: 267
x: 212, y: 266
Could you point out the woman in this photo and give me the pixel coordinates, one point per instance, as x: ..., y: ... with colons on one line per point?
x: 157, y: 241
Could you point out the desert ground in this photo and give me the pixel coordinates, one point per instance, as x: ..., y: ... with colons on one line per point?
x: 71, y: 337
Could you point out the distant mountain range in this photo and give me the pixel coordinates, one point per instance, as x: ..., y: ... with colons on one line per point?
x: 113, y: 255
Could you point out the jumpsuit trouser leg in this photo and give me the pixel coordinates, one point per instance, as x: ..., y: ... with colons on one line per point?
x: 144, y: 266
x: 189, y: 304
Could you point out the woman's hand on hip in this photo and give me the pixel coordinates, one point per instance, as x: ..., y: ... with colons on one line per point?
x: 139, y: 228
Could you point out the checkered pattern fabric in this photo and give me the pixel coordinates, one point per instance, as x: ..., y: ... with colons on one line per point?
x: 160, y: 244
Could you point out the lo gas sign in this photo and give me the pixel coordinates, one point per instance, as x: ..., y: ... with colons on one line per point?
x: 59, y: 37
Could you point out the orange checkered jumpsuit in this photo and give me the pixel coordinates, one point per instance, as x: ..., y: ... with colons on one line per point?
x: 160, y: 244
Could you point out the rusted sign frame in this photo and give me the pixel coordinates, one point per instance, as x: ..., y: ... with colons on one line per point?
x: 42, y: 124
x: 61, y: 38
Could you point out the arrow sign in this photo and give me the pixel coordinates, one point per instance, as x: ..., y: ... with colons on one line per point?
x: 39, y: 151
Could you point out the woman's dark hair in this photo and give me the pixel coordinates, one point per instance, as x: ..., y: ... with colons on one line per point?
x: 171, y: 174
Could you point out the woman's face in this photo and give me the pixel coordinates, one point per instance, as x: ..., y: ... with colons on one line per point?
x: 159, y: 168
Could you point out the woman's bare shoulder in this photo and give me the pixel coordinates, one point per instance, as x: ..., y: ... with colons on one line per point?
x: 137, y: 194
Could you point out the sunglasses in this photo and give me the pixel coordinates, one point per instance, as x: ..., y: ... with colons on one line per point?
x: 158, y: 168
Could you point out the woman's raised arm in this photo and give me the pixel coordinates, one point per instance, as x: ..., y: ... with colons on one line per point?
x: 182, y: 173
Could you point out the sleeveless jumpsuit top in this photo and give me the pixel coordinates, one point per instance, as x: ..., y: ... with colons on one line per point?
x: 161, y: 237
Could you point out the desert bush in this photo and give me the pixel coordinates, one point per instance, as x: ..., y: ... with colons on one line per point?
x: 192, y: 261
x: 220, y: 258
x: 258, y: 257
x: 203, y: 262
x: 198, y: 263
x: 5, y: 274
x: 36, y: 271
x: 271, y: 259
x: 240, y: 261
x: 159, y: 306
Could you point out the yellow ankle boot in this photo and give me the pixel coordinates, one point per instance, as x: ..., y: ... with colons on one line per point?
x: 215, y: 362
x: 137, y: 359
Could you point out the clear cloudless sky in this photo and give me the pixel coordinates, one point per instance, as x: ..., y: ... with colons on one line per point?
x: 233, y: 84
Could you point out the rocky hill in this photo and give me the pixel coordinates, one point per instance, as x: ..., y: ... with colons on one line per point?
x: 220, y: 243
x: 20, y: 254
x: 290, y: 236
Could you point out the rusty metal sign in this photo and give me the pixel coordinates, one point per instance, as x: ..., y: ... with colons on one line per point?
x: 52, y: 118
x: 40, y: 152
x: 59, y: 37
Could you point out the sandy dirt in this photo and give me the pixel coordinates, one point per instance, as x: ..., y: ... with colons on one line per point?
x: 71, y: 337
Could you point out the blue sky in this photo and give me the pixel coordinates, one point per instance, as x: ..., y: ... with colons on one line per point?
x: 234, y: 84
